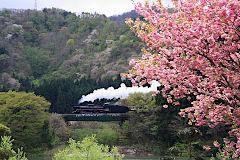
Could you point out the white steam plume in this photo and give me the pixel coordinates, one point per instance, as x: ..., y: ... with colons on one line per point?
x: 122, y: 92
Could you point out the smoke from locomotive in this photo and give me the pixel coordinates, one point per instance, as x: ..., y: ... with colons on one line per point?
x: 122, y: 92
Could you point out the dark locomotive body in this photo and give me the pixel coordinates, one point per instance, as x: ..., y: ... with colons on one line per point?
x: 106, y: 108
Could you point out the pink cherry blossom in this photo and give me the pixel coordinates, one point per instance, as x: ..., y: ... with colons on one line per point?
x: 194, y: 50
x: 216, y: 144
x: 234, y: 156
x: 226, y: 140
x: 206, y: 147
x: 165, y: 106
x: 225, y: 153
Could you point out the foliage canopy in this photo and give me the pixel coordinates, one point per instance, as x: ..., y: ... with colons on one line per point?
x: 24, y: 113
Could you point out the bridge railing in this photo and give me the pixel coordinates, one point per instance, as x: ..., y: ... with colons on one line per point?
x: 103, y: 117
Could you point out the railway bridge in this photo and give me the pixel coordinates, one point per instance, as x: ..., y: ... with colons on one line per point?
x: 102, y: 117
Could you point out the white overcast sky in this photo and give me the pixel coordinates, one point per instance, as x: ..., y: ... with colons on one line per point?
x: 107, y: 7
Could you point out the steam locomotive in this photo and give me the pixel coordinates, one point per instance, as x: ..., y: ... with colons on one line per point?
x: 106, y: 108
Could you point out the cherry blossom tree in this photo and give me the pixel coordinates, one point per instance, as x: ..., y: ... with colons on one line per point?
x: 194, y: 50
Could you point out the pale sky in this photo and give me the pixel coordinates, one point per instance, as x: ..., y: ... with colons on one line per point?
x: 107, y: 7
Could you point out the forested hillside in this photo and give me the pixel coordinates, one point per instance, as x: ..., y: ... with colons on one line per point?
x: 56, y: 44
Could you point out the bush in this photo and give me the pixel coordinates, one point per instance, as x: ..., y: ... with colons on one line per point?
x: 6, y: 151
x: 58, y: 127
x: 88, y: 148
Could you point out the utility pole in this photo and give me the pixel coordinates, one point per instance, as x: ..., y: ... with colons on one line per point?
x: 35, y: 5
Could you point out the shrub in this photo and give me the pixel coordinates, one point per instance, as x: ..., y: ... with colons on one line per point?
x: 6, y: 151
x: 58, y: 127
x: 88, y: 148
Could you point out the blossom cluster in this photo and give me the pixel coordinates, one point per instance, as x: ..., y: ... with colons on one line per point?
x: 194, y: 49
